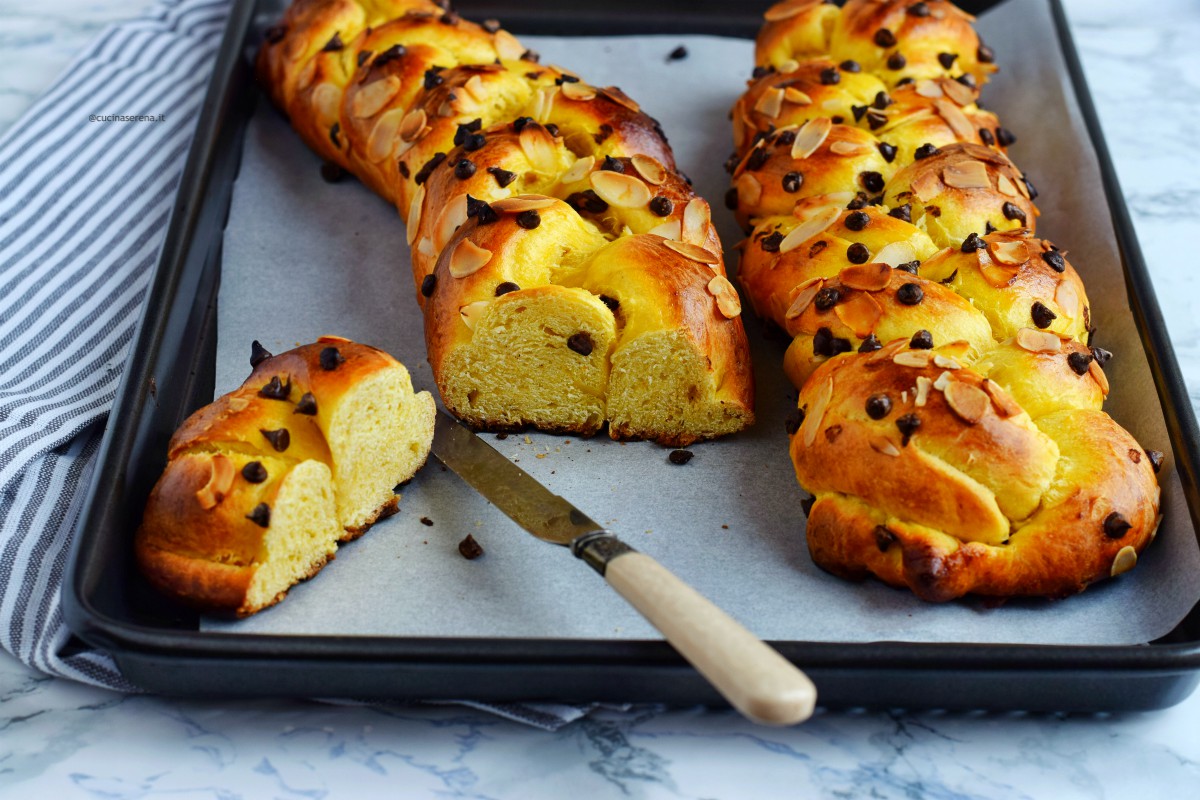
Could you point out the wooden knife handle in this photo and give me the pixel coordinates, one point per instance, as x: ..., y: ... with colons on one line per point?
x: 753, y: 677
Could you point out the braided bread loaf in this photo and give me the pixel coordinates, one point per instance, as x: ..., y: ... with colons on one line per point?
x: 262, y: 484
x: 568, y: 274
x: 949, y: 422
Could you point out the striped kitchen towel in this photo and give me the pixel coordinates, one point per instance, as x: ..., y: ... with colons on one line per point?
x: 87, y: 181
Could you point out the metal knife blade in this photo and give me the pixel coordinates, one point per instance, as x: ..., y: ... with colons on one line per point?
x: 508, y: 487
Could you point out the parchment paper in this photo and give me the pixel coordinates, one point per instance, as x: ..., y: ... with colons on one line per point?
x: 304, y: 258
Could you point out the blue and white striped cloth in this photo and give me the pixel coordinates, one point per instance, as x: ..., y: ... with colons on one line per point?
x: 83, y: 212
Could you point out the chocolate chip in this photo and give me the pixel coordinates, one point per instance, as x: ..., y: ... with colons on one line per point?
x: 830, y: 76
x: 871, y: 181
x: 910, y: 294
x: 254, y: 472
x: 612, y: 165
x: 403, y: 167
x: 905, y: 82
x: 903, y: 212
x: 432, y: 79
x: 450, y: 18
x: 427, y: 170
x: 794, y: 421
x: 275, y: 34
x: 758, y: 157
x: 481, y: 211
x: 1005, y: 137
x: 427, y: 522
x: 911, y: 267
x: 587, y: 201
x: 1042, y: 317
x: 858, y: 253
x: 1101, y: 355
x: 896, y: 61
x: 879, y: 406
x: 532, y: 56
x: 985, y: 54
x: 474, y: 142
x: 921, y: 340
x: 973, y: 243
x: 561, y: 79
x: 612, y: 302
x: 761, y: 72
x: 332, y: 173
x: 677, y: 54
x: 529, y: 219
x: 427, y: 284
x: 784, y: 139
x: 490, y: 25
x: 258, y: 353
x: 464, y: 169
x: 883, y: 538
x: 823, y: 342
x: 1156, y: 459
x: 503, y: 177
x: 731, y: 199
x: 827, y: 298
x: 279, y: 439
x: 806, y: 505
x: 925, y: 151
x: 885, y: 38
x: 391, y: 54
x: 933, y: 211
x: 260, y: 515
x: 1055, y: 260
x: 333, y: 134
x: 987, y: 137
x: 770, y: 243
x: 1116, y: 526
x: 680, y: 456
x: 1013, y: 211
x: 817, y: 248
x: 661, y: 206
x: 850, y: 65
x: 506, y: 287
x: 870, y: 344
x: 307, y: 405
x: 792, y: 182
x: 882, y: 101
x: 465, y: 129
x: 470, y: 549
x: 876, y: 120
x: 967, y: 80
x: 1079, y: 362
x: 988, y: 228
x: 1033, y: 192
x: 330, y: 359
x: 888, y: 151
x: 334, y: 44
x: 918, y: 10
x: 519, y: 123
x: 908, y: 425
x: 857, y: 220
x: 276, y: 390
x: 947, y: 59
x: 581, y: 343
x: 858, y: 112
x: 552, y: 129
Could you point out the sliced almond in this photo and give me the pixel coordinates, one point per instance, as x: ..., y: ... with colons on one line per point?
x: 619, y: 189
x: 691, y: 251
x: 620, y: 98
x: 471, y: 313
x: 325, y: 100
x: 523, y: 202
x: 1011, y: 251
x: 896, y: 253
x: 923, y: 387
x: 454, y: 214
x: 1006, y: 405
x: 788, y: 8
x: 370, y: 99
x: 794, y: 95
x: 969, y: 402
x: 860, y: 313
x: 543, y: 103
x: 958, y: 92
x: 849, y: 148
x: 579, y: 169
x: 966, y: 175
x: 913, y: 358
x: 1126, y: 560
x: 942, y: 381
x: 956, y: 119
x: 413, y: 222
x: 696, y: 221
x: 304, y: 77
x: 810, y: 136
x: 882, y: 444
x: 507, y: 46
x: 671, y: 229
x: 930, y: 89
x: 468, y: 258
x: 538, y: 146
x: 804, y: 297
x: 749, y: 190
x: 788, y: 66
x: 220, y: 479
x: 1006, y: 186
x: 884, y: 354
x: 649, y: 168
x: 816, y: 223
x: 1097, y: 373
x: 425, y: 247
x: 945, y: 362
x: 1036, y: 341
x: 770, y: 103
x: 238, y: 404
x: 1067, y: 298
x: 382, y: 140
x: 867, y: 277
x: 816, y: 414
x: 1023, y: 188
x: 412, y: 124
x: 998, y: 275
x: 578, y: 91
x: 927, y: 185
x: 476, y: 89
x: 728, y: 302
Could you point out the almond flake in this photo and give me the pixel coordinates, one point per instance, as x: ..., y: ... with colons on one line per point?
x: 619, y: 189
x: 693, y: 252
x: 414, y: 214
x: 671, y: 229
x: 930, y: 89
x: 998, y: 275
x: 966, y: 175
x: 412, y: 125
x: 867, y: 277
x: 696, y: 221
x: 749, y: 190
x: 370, y: 99
x: 849, y: 148
x: 580, y: 168
x: 1126, y: 560
x: 538, y: 146
x: 220, y: 479
x: 816, y: 223
x: 468, y: 258
x: 923, y: 387
x: 958, y: 92
x: 454, y: 214
x: 788, y: 8
x: 1023, y: 188
x: 1036, y: 341
x: 728, y: 302
x: 882, y: 444
x: 425, y: 247
x: 1006, y: 405
x: 543, y: 103
x: 956, y: 119
x: 912, y: 358
x: 523, y: 202
x: 942, y: 381
x: 793, y: 95
x: 804, y: 297
x: 1067, y: 298
x: 507, y: 46
x: 927, y: 185
x: 1006, y: 186
x: 304, y: 78
x: 969, y: 402
x: 238, y: 404
x: 816, y: 415
x: 325, y: 99
x: 810, y: 136
x: 578, y: 91
x: 1011, y: 252
x: 770, y: 103
x: 383, y: 136
x: 896, y: 253
x: 649, y: 168
x: 945, y: 362
x: 859, y: 313
x: 620, y: 98
x: 1097, y: 373
x: 475, y: 88
x: 957, y: 348
x: 885, y: 354
x: 471, y: 313
x: 789, y: 65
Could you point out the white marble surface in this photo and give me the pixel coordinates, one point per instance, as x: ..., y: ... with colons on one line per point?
x: 64, y: 740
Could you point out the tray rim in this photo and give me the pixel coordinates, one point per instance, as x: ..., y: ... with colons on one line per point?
x: 123, y: 638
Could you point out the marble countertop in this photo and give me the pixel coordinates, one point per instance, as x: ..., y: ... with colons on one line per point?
x: 64, y: 740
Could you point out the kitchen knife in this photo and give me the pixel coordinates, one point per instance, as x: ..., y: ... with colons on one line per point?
x: 753, y: 677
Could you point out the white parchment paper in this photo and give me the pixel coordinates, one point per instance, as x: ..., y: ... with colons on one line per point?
x: 304, y: 258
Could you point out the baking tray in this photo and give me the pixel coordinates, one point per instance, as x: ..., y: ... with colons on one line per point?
x: 171, y: 371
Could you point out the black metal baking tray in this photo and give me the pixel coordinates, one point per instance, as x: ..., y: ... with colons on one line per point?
x: 171, y: 369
